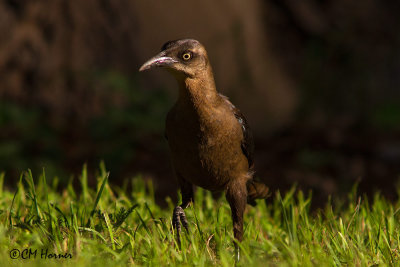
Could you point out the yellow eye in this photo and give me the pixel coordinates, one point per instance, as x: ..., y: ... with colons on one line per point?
x: 186, y: 56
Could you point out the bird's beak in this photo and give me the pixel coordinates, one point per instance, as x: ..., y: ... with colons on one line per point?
x: 160, y: 60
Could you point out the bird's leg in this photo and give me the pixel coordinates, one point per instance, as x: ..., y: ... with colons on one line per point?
x: 178, y: 216
x: 236, y: 194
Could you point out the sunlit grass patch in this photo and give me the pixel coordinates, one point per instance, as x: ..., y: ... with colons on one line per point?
x: 107, y: 225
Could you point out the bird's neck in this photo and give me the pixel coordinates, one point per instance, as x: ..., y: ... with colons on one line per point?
x: 199, y: 91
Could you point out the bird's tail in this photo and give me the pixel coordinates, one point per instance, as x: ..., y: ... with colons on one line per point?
x: 256, y: 190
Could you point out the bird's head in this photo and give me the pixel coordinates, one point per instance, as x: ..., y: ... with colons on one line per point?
x: 185, y: 57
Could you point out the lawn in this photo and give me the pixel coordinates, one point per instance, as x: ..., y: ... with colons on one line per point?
x: 41, y: 223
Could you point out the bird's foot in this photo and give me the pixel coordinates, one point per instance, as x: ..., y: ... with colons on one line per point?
x: 179, y: 217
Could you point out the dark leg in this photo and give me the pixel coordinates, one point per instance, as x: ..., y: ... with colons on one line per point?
x: 187, y: 192
x: 236, y: 194
x: 179, y: 216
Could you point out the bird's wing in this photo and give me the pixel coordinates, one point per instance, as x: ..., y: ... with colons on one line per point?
x: 247, y: 142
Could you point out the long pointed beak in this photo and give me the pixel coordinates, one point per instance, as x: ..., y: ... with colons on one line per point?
x: 159, y: 60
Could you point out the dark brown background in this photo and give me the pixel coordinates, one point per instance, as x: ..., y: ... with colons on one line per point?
x: 318, y: 81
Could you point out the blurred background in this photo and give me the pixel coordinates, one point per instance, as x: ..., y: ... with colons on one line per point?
x: 319, y: 82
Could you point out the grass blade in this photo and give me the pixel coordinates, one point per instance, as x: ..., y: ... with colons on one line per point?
x: 96, y: 202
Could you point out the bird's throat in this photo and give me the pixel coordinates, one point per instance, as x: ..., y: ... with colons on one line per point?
x: 198, y: 91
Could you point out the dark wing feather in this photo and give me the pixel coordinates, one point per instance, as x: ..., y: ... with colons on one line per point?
x: 247, y: 142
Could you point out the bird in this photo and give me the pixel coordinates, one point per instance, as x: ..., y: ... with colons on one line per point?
x: 210, y: 141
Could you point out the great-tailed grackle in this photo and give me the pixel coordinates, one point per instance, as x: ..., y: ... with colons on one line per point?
x: 209, y: 138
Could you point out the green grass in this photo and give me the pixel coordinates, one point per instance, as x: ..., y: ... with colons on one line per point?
x: 108, y: 225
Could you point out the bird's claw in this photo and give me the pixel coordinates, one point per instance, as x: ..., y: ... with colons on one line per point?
x: 179, y: 217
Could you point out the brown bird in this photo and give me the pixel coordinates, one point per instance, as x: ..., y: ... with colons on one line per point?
x: 209, y: 138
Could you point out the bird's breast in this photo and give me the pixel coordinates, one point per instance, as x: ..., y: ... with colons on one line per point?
x: 205, y: 148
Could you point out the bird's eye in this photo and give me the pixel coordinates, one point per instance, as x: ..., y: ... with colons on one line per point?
x: 187, y: 56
